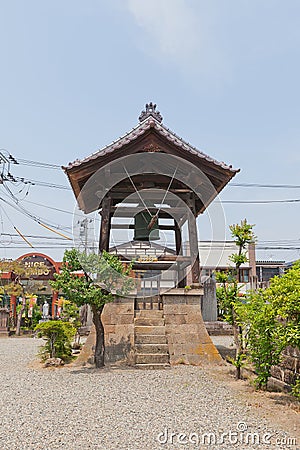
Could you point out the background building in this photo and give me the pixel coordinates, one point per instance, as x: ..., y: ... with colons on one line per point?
x: 265, y: 270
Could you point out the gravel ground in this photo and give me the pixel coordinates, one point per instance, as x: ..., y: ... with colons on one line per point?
x: 121, y: 408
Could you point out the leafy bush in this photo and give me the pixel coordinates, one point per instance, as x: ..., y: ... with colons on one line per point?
x: 296, y: 389
x: 272, y: 318
x: 59, y: 337
x: 264, y: 345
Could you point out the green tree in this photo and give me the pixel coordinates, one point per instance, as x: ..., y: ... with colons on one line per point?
x: 94, y: 280
x: 70, y: 313
x: 228, y: 291
x: 272, y: 317
x: 15, y: 287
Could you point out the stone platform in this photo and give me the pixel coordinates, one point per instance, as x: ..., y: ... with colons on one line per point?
x: 176, y: 330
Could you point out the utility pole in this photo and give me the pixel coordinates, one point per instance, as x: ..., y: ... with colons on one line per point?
x: 83, y: 233
x: 5, y: 162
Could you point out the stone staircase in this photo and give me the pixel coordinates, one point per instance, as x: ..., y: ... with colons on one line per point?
x: 151, y: 348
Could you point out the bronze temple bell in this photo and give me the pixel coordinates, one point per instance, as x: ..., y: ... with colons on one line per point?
x: 145, y: 227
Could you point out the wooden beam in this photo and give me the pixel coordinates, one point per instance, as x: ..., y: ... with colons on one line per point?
x: 125, y: 226
x: 131, y: 212
x: 161, y: 259
x: 128, y: 190
x: 175, y: 258
x: 155, y: 265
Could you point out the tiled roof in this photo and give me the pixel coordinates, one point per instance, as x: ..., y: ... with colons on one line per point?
x: 139, y: 130
x: 270, y: 262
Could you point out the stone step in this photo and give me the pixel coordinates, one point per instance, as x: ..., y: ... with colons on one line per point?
x: 149, y: 321
x: 152, y: 358
x: 143, y: 329
x: 152, y: 366
x: 151, y: 348
x: 150, y: 339
x: 155, y: 313
x: 218, y: 328
x: 140, y: 306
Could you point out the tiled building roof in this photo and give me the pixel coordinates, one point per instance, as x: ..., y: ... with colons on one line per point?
x: 148, y: 123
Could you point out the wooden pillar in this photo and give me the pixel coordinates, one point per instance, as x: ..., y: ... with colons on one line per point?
x: 105, y: 224
x: 13, y: 306
x: 54, y: 305
x: 252, y: 264
x: 194, y: 250
x: 178, y: 242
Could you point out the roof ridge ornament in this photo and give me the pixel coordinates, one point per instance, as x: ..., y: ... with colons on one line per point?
x: 150, y: 110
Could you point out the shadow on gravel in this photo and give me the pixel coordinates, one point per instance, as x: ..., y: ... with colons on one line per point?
x: 285, y: 399
x: 225, y: 352
x: 105, y: 369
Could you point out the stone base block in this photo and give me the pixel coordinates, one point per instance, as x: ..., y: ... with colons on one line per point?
x: 188, y: 340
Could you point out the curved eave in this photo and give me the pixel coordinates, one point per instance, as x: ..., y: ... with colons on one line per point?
x: 79, y: 172
x: 136, y: 133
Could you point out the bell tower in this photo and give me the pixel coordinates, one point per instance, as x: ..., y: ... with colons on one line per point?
x: 150, y: 186
x: 153, y: 182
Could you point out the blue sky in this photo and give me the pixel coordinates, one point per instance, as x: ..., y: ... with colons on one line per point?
x: 225, y: 76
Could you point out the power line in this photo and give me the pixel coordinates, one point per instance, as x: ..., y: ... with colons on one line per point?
x: 258, y: 202
x: 28, y: 162
x: 285, y: 241
x: 32, y: 236
x: 36, y: 244
x: 253, y: 185
x: 66, y: 245
x: 233, y: 245
x: 275, y: 186
x: 37, y: 247
x: 37, y: 219
x: 41, y: 183
x: 279, y: 248
x: 258, y: 246
x: 19, y: 207
x: 54, y: 209
x: 39, y: 164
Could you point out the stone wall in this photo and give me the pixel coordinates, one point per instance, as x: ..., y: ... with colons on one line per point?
x: 187, y: 337
x: 118, y: 321
x: 289, y: 368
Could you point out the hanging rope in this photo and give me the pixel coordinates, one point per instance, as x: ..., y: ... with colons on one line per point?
x: 136, y: 190
x: 155, y: 217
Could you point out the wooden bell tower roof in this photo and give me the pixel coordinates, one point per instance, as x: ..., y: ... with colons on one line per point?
x: 149, y: 136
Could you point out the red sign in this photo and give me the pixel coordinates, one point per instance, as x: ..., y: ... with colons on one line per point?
x: 38, y: 267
